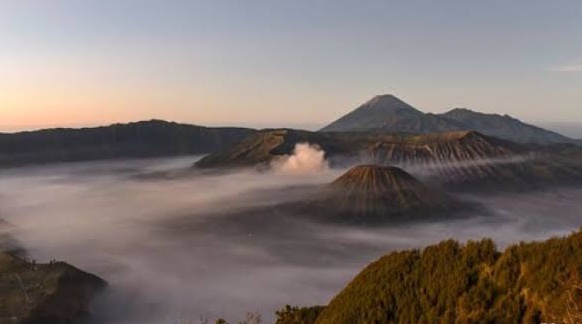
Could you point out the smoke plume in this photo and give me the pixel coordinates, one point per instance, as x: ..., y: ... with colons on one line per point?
x: 306, y: 159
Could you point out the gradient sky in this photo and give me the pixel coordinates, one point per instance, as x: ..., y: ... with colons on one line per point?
x: 283, y: 63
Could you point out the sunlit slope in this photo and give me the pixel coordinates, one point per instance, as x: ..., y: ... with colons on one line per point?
x: 364, y: 147
x: 472, y: 283
x: 372, y: 194
x: 521, y: 173
x: 447, y: 147
x: 454, y: 160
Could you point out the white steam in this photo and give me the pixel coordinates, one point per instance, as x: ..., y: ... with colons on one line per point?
x: 306, y: 159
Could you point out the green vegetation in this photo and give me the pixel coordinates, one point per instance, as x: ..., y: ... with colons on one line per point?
x: 473, y: 283
x: 287, y: 315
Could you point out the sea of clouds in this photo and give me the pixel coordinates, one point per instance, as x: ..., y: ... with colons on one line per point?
x: 174, y: 244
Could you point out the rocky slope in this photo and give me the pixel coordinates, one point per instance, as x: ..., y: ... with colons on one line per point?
x: 389, y: 114
x: 463, y: 160
x: 448, y: 147
x: 362, y: 147
x: 32, y: 293
x: 44, y: 293
x: 365, y: 195
x: 519, y: 173
x: 369, y: 194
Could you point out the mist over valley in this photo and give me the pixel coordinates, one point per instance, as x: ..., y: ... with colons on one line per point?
x: 176, y: 243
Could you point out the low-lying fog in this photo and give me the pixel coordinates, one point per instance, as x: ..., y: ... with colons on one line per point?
x: 166, y: 241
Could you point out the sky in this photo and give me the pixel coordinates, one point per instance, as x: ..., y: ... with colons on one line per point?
x: 296, y: 63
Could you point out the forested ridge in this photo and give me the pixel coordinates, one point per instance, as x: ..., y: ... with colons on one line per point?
x: 452, y: 282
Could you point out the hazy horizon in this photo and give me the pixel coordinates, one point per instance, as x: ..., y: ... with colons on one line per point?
x: 570, y: 129
x: 225, y: 62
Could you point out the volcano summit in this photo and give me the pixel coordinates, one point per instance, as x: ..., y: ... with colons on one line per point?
x: 381, y: 194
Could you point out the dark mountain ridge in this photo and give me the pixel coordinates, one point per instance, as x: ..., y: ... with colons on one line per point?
x: 504, y: 126
x: 389, y: 114
x: 154, y: 138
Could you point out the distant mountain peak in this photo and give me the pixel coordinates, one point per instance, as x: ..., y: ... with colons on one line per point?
x: 385, y: 99
x: 388, y: 103
x: 387, y: 113
x: 376, y: 113
x: 386, y: 96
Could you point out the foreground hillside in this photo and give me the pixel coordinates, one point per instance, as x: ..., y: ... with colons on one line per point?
x: 43, y: 293
x: 473, y: 283
x: 31, y: 293
x: 135, y: 140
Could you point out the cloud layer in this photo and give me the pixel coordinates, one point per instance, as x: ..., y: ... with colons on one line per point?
x: 174, y: 244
